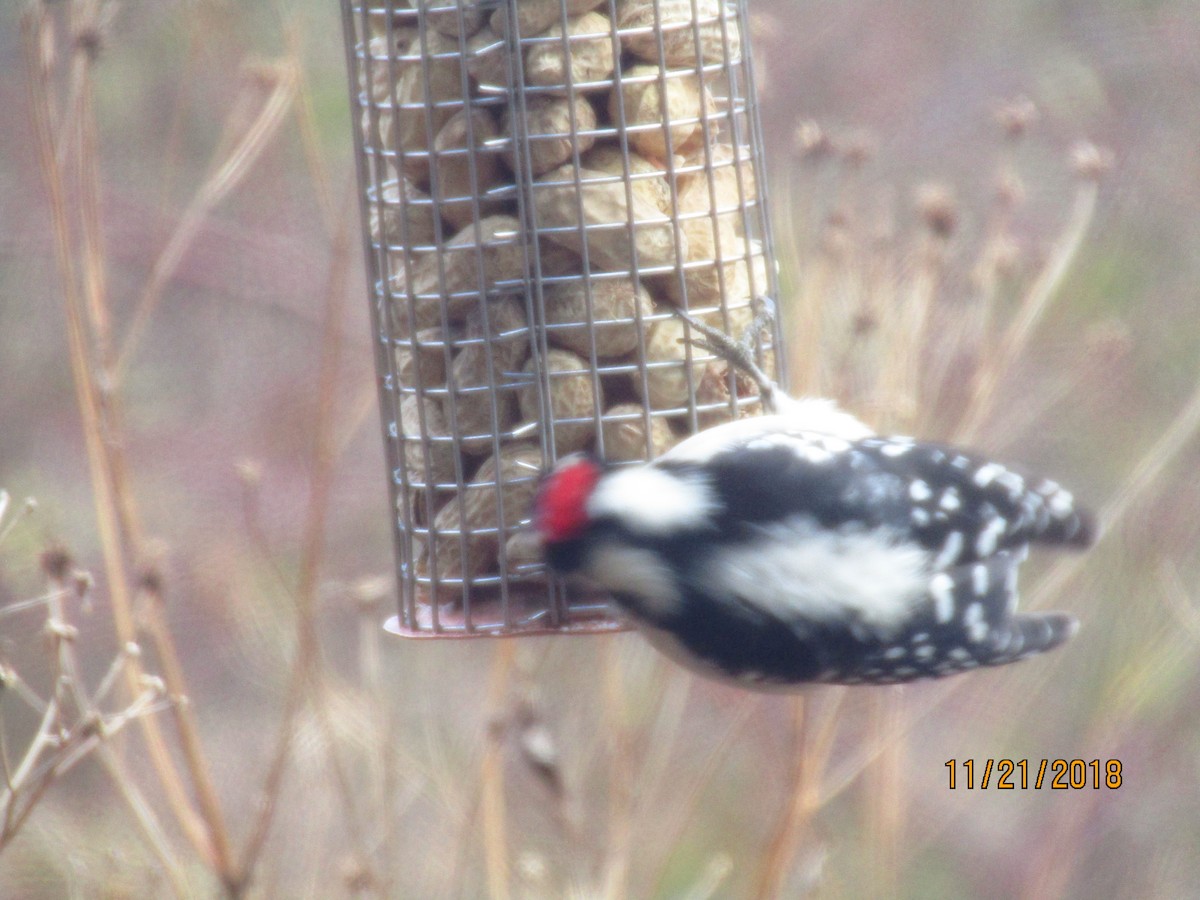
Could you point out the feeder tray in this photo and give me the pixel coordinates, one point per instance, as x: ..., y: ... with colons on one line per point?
x: 542, y: 183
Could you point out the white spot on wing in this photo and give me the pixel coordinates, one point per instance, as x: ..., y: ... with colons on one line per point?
x: 919, y: 491
x: 1013, y: 483
x: 797, y: 570
x: 649, y: 500
x: 974, y: 624
x: 987, y: 540
x: 950, y: 550
x: 950, y: 501
x: 987, y: 473
x: 979, y: 580
x: 1061, y: 504
x: 941, y: 588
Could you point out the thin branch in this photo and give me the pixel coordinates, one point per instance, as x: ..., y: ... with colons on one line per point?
x: 307, y: 650
x: 1037, y: 300
x: 215, y: 188
x: 83, y: 372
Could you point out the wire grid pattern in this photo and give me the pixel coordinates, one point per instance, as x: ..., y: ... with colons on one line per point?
x: 543, y: 180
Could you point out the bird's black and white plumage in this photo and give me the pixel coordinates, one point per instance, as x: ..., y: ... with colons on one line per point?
x: 801, y: 547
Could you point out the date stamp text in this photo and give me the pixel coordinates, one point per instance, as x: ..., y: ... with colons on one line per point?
x: 1027, y: 774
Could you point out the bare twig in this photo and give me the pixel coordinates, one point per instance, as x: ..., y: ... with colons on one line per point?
x: 87, y: 398
x: 1033, y: 307
x: 491, y: 776
x: 61, y: 741
x: 227, y: 175
x: 306, y: 661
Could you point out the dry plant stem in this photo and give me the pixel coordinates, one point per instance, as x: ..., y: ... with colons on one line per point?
x: 207, y: 838
x: 1145, y: 475
x: 886, y: 809
x: 95, y: 286
x: 620, y: 794
x: 688, y: 794
x: 974, y: 320
x: 16, y: 780
x: 68, y: 744
x: 710, y: 879
x: 671, y: 708
x: 1060, y: 853
x: 1178, y: 599
x: 100, y: 322
x: 808, y: 303
x: 87, y: 707
x: 188, y: 63
x: 185, y: 720
x: 325, y: 455
x: 215, y: 188
x: 899, y: 385
x: 363, y: 407
x: 303, y: 678
x: 1034, y: 305
x: 805, y: 352
x: 491, y: 775
x: 772, y: 871
x: 306, y: 118
x: 815, y: 744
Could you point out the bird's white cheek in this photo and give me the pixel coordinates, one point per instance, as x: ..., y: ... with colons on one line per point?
x: 636, y: 575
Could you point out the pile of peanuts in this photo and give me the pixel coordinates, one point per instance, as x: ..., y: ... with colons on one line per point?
x: 623, y: 142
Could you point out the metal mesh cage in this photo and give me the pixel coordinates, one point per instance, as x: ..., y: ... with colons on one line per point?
x: 542, y: 182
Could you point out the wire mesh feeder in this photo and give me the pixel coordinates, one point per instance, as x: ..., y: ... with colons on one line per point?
x: 542, y: 182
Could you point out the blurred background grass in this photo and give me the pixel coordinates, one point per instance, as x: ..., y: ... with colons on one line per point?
x: 589, y: 767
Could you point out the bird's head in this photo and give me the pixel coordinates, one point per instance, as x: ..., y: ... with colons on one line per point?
x: 560, y: 514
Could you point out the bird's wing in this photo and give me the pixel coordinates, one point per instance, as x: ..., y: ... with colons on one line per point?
x: 954, y: 504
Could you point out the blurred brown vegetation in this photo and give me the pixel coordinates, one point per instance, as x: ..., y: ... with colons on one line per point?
x: 206, y: 213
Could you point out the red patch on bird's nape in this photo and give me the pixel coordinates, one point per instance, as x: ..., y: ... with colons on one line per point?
x: 560, y: 512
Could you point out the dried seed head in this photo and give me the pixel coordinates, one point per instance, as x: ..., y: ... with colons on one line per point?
x: 1016, y: 116
x: 369, y: 591
x: 56, y: 562
x: 857, y: 149
x: 1010, y: 190
x: 810, y: 141
x: 82, y: 583
x: 151, y: 577
x: 150, y: 580
x: 356, y: 875
x: 1091, y: 162
x: 249, y: 472
x: 1006, y: 255
x: 938, y: 209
